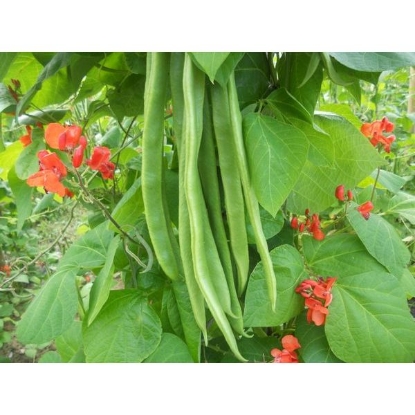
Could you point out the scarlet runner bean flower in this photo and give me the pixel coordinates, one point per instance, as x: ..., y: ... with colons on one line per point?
x: 365, y: 208
x: 375, y: 131
x: 62, y: 137
x: 312, y: 225
x: 339, y: 193
x: 287, y: 355
x: 100, y: 161
x: 318, y: 297
x: 51, y: 171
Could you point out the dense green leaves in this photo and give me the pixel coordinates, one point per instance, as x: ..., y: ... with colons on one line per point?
x: 354, y: 159
x: 54, y: 308
x: 126, y: 330
x: 369, y: 321
x: 209, y: 62
x: 289, y: 270
x: 381, y: 240
x: 276, y: 154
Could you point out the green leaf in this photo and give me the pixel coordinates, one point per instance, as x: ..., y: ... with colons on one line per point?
x: 129, y: 208
x: 289, y: 270
x: 209, y: 62
x: 170, y: 350
x: 270, y: 225
x: 314, y: 345
x: 50, y: 357
x: 128, y: 98
x: 402, y: 204
x: 102, y: 284
x: 136, y: 62
x: 252, y: 78
x: 22, y: 196
x: 60, y: 60
x: 375, y: 61
x: 292, y: 71
x: 52, y: 311
x: 69, y: 343
x: 408, y: 283
x: 7, y: 102
x: 276, y: 153
x: 388, y: 180
x: 126, y: 330
x: 381, y: 240
x: 228, y: 66
x: 28, y: 163
x: 6, y: 59
x: 354, y: 159
x: 255, y: 349
x: 8, y: 158
x: 344, y: 111
x: 369, y: 320
x: 44, y: 116
x: 339, y: 255
x: 282, y: 100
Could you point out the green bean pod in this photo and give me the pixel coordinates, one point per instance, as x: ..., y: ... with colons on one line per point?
x: 196, y: 297
x: 157, y: 216
x: 193, y: 89
x: 210, y: 185
x: 251, y: 200
x: 231, y: 180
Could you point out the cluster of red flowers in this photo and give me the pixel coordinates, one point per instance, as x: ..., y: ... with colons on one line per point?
x: 318, y: 297
x: 51, y: 168
x: 375, y: 131
x: 364, y: 209
x: 311, y: 224
x: 287, y: 354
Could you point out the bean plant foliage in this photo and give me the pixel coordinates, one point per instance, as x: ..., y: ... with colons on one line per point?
x: 231, y: 215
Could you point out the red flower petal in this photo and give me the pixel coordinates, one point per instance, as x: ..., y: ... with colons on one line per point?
x: 52, y: 133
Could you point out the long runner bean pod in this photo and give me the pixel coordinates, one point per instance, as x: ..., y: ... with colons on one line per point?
x: 210, y: 185
x: 250, y: 197
x: 196, y: 297
x: 157, y: 216
x: 193, y: 89
x: 231, y: 180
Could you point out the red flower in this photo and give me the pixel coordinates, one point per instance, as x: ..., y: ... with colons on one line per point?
x: 6, y: 269
x: 294, y: 222
x: 365, y: 209
x: 51, y: 171
x: 100, y: 161
x: 78, y: 154
x: 349, y: 195
x: 312, y: 224
x: 339, y: 193
x: 375, y: 131
x: 27, y: 139
x: 318, y: 297
x: 62, y: 138
x: 287, y: 354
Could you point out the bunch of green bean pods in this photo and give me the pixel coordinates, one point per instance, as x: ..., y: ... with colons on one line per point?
x: 215, y: 196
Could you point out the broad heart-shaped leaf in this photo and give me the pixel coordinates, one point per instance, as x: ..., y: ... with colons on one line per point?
x: 292, y: 71
x: 28, y: 163
x: 369, y: 320
x: 388, y: 180
x: 22, y: 195
x: 344, y: 111
x: 354, y: 159
x: 171, y: 349
x: 403, y: 204
x: 101, y: 288
x: 314, y: 346
x: 209, y: 62
x: 339, y: 255
x: 252, y: 77
x: 289, y: 271
x: 127, y: 329
x: 54, y: 308
x: 375, y: 61
x: 70, y: 343
x: 381, y: 240
x: 276, y: 153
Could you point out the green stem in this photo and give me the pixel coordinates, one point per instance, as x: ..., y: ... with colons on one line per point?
x: 374, y: 185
